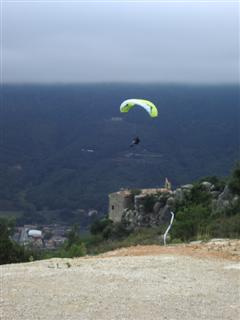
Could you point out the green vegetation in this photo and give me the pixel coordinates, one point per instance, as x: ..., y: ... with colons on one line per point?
x: 219, y: 183
x: 191, y: 222
x: 149, y: 202
x: 73, y: 247
x: 120, y: 238
x: 100, y: 225
x: 10, y: 214
x: 134, y: 192
x: 234, y: 183
x: 195, y: 218
x: 10, y: 251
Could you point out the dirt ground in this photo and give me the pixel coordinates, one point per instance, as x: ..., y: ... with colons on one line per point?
x: 216, y: 248
x: 182, y: 282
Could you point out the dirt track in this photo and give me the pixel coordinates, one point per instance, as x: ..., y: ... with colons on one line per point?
x: 216, y: 248
x: 197, y: 281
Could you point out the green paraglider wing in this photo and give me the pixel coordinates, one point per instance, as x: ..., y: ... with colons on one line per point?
x: 147, y: 105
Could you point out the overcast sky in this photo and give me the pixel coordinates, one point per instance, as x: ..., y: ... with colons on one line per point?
x: 64, y: 41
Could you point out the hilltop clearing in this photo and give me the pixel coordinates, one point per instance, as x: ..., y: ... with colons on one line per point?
x: 195, y: 281
x: 216, y: 248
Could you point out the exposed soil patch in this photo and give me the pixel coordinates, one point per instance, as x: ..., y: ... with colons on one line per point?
x: 216, y: 248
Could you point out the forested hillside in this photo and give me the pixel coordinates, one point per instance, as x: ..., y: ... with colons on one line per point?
x: 68, y: 146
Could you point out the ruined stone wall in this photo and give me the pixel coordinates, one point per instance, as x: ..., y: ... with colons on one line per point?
x: 142, y: 216
x: 123, y: 204
x: 135, y: 211
x: 118, y: 201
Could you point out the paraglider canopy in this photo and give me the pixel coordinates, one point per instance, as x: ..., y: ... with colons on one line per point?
x: 147, y: 105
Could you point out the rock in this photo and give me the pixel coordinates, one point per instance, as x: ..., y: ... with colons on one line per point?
x: 156, y: 207
x: 138, y: 201
x: 160, y: 213
x: 206, y: 185
x: 183, y: 191
x: 170, y: 201
x: 179, y: 194
x: 235, y: 200
x: 226, y: 194
x: 222, y: 240
x: 224, y: 200
x: 164, y: 215
x: 196, y: 242
x: 214, y: 194
x: 213, y: 188
x: 187, y: 187
x: 163, y: 199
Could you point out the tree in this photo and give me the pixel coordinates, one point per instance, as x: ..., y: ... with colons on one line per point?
x: 73, y: 236
x: 98, y: 226
x: 191, y: 222
x: 234, y: 183
x: 10, y: 251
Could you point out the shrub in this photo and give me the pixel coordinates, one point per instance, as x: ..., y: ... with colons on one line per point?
x: 226, y: 227
x: 176, y: 241
x: 133, y: 193
x: 199, y: 195
x: 149, y: 202
x: 76, y: 250
x: 99, y: 225
x: 191, y: 222
x: 234, y: 183
x: 219, y: 183
x: 73, y: 237
x: 10, y: 251
x: 143, y: 236
x: 115, y: 231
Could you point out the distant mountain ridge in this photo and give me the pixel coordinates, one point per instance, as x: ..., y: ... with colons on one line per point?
x: 45, y: 131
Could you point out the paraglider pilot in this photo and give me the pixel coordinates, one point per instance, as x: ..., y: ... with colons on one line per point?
x: 135, y: 141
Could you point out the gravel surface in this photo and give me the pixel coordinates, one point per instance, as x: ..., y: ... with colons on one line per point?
x: 122, y: 286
